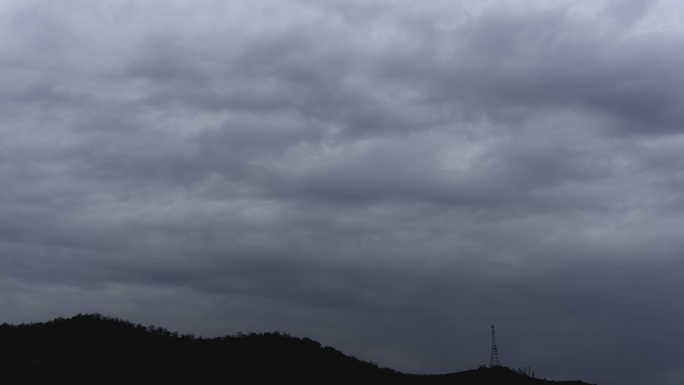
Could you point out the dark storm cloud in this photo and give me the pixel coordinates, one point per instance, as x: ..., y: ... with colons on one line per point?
x: 503, y: 59
x: 389, y: 178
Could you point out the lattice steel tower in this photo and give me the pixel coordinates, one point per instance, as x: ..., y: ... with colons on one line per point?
x: 494, y: 360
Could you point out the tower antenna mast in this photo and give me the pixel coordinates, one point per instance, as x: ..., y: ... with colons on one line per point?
x: 494, y: 360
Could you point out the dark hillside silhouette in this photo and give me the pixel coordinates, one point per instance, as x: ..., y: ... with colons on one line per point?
x: 94, y: 348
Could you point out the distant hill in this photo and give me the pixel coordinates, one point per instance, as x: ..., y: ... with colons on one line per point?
x: 98, y: 349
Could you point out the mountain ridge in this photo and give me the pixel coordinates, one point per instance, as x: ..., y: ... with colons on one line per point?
x: 89, y: 347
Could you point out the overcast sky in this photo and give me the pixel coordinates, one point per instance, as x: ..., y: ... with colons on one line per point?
x: 389, y: 178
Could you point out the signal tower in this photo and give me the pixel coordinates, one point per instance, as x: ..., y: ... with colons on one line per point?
x: 494, y: 360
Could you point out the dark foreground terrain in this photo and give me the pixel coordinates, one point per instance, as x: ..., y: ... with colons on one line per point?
x: 98, y: 349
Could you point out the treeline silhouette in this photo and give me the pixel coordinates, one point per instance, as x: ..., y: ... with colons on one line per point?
x: 99, y: 349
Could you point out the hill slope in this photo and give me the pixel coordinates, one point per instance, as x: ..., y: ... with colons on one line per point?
x: 95, y: 348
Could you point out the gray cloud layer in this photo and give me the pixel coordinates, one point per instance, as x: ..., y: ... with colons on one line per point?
x: 387, y: 177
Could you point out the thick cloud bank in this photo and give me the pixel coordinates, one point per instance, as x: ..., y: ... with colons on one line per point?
x: 386, y: 177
